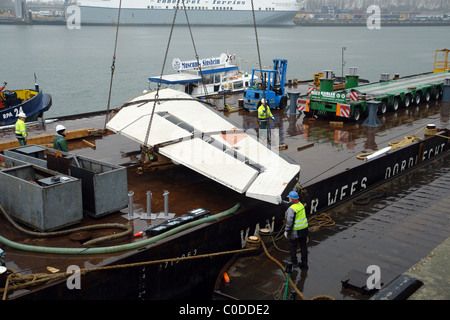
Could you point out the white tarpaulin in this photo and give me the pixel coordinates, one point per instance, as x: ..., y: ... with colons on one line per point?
x: 196, y: 136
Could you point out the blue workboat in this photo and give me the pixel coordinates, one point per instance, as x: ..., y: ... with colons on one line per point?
x: 33, y: 102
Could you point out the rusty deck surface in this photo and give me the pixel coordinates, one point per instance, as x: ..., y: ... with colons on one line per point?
x: 320, y: 149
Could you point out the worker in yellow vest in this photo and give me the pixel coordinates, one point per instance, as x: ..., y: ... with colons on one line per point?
x: 264, y: 114
x: 21, y: 129
x: 296, y: 230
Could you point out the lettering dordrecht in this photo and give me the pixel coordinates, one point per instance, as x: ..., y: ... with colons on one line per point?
x: 411, y: 161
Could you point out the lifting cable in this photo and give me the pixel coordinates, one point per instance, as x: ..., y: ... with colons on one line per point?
x: 156, y: 100
x: 259, y: 54
x: 162, y: 73
x: 113, y: 66
x: 195, y: 51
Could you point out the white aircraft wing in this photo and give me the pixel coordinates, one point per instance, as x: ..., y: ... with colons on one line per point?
x: 196, y: 136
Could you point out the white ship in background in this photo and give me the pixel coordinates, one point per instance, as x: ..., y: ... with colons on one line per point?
x: 200, y: 12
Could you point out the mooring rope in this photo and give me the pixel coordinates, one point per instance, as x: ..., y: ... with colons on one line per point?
x: 291, y: 282
x: 20, y: 281
x: 405, y: 141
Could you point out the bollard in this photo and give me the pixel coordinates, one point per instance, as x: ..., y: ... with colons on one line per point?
x: 352, y: 79
x: 372, y: 120
x: 149, y: 214
x: 166, y: 203
x: 293, y: 97
x: 131, y: 215
x: 384, y: 77
x: 166, y: 215
x: 130, y: 204
x: 446, y: 91
x: 149, y: 202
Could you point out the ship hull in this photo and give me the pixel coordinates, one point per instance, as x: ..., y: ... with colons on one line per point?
x: 180, y: 279
x: 136, y: 16
x: 192, y: 279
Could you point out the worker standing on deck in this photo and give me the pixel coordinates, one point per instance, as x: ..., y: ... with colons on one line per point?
x: 21, y: 129
x: 264, y: 114
x: 59, y: 140
x: 296, y: 230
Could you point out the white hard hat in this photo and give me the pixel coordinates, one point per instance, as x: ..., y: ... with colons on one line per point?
x: 263, y: 100
x: 22, y: 115
x: 60, y: 127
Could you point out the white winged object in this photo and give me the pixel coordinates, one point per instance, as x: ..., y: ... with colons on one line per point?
x: 192, y: 134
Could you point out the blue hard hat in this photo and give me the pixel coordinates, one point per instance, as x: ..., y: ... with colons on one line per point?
x: 293, y: 195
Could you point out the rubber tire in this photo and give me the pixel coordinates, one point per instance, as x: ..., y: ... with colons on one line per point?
x: 396, y: 105
x: 283, y: 103
x: 417, y: 98
x: 407, y: 101
x: 357, y: 114
x: 427, y: 96
x: 383, y: 108
x: 437, y: 94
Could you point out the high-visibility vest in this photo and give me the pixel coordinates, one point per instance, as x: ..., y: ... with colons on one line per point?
x: 21, y: 129
x: 300, y: 221
x: 264, y: 112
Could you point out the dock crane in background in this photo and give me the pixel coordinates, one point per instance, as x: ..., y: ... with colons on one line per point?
x: 270, y: 86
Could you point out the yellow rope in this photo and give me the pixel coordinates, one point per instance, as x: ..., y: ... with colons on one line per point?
x: 396, y: 144
x: 320, y: 220
x: 291, y: 282
x: 19, y: 281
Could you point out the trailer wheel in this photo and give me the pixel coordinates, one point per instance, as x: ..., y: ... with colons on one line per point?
x: 383, y: 107
x: 407, y: 101
x: 283, y: 103
x: 357, y: 114
x: 437, y: 94
x: 396, y: 104
x: 417, y: 98
x: 427, y: 96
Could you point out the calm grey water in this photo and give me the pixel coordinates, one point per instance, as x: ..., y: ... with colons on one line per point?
x: 74, y: 66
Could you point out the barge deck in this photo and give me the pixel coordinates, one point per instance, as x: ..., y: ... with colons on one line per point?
x: 321, y: 149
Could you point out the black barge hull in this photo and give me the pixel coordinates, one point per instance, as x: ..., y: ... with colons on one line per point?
x: 180, y: 279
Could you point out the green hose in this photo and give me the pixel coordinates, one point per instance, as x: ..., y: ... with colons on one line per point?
x: 118, y: 248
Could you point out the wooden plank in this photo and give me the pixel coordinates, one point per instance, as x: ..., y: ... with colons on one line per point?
x: 48, y: 138
x: 89, y: 144
x: 305, y: 147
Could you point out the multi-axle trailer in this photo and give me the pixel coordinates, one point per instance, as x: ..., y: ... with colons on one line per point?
x: 391, y: 93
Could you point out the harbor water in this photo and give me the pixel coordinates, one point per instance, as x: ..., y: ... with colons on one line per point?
x: 74, y: 66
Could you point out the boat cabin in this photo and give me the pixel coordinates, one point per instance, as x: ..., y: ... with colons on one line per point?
x: 206, y: 77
